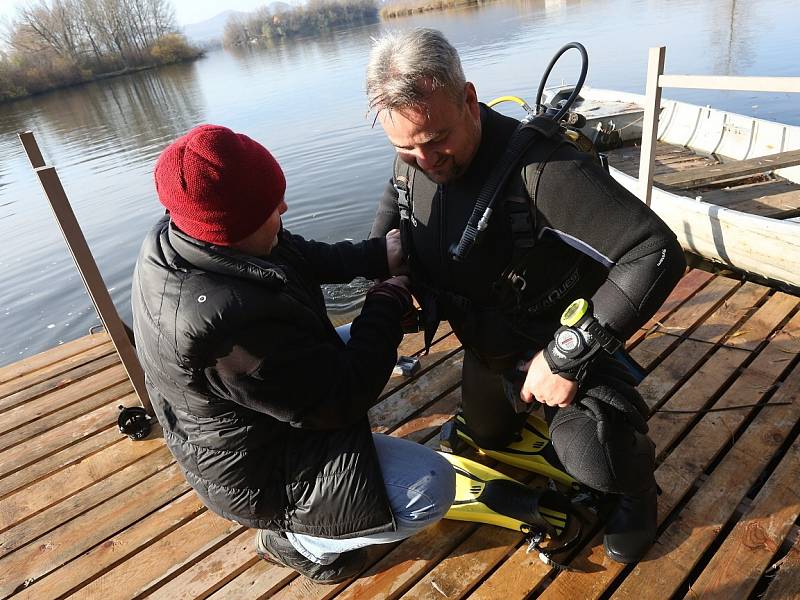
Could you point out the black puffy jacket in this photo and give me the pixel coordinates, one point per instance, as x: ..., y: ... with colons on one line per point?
x: 262, y: 404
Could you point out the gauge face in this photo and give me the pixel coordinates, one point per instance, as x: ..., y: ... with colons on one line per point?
x: 569, y: 342
x: 574, y: 312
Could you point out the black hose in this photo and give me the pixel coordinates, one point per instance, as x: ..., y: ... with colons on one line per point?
x: 486, y: 197
x: 576, y: 90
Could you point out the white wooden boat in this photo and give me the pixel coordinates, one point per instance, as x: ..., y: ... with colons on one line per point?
x: 724, y: 205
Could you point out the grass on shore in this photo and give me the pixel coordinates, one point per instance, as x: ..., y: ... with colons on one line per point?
x: 403, y: 9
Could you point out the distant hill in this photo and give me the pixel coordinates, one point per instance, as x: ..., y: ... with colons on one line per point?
x: 212, y: 29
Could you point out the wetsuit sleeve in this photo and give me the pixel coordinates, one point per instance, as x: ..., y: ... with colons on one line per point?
x: 388, y: 215
x: 294, y: 376
x: 343, y: 261
x: 578, y: 202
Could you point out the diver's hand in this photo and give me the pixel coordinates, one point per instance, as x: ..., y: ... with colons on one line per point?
x: 395, y: 255
x: 543, y: 385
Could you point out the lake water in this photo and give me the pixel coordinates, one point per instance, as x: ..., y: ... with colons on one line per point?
x: 305, y: 101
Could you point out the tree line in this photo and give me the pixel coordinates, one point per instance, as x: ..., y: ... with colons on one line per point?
x: 53, y: 43
x: 267, y: 25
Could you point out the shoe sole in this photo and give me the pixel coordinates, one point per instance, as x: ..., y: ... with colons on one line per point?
x: 272, y: 561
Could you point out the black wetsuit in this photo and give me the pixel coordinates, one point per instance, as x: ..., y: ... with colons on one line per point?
x: 592, y: 239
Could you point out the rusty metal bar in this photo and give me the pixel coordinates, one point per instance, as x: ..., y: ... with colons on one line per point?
x: 87, y: 267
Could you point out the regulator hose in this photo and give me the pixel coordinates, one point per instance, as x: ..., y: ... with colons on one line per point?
x: 575, y: 91
x: 479, y: 219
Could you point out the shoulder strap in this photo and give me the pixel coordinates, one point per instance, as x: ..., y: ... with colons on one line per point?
x: 521, y: 140
x: 403, y: 182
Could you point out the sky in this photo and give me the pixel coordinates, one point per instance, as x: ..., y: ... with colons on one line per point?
x: 186, y: 11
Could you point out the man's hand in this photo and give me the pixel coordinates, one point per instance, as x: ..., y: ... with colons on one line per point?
x: 395, y: 255
x: 542, y: 385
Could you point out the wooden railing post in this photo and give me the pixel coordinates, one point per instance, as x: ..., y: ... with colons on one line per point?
x: 652, y: 108
x: 87, y: 267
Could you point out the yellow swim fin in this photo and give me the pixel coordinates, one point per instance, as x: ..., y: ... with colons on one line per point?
x: 487, y: 496
x: 532, y: 451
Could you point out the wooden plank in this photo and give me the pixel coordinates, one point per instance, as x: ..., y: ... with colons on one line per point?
x: 54, y: 355
x: 211, y: 573
x: 680, y: 364
x: 692, y: 178
x: 673, y: 371
x: 30, y: 454
x: 662, y: 339
x: 416, y: 394
x: 731, y: 82
x: 24, y: 397
x: 63, y: 397
x: 689, y: 284
x: 120, y: 482
x: 115, y: 394
x: 254, y: 581
x: 27, y: 562
x: 466, y: 565
x: 158, y: 561
x: 390, y: 577
x: 748, y: 551
x: 776, y: 206
x: 786, y: 581
x: 427, y: 423
x: 686, y: 463
x: 55, y: 370
x: 694, y: 395
x: 60, y: 460
x: 440, y: 350
x: 699, y: 522
x: 768, y: 198
x: 36, y: 497
x: 122, y: 546
x: 517, y: 577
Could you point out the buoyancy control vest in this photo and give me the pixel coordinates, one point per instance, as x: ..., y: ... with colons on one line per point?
x: 514, y: 307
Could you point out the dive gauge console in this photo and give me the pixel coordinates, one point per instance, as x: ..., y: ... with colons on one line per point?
x: 577, y: 341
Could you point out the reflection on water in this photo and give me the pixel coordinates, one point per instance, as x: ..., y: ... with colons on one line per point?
x: 304, y: 99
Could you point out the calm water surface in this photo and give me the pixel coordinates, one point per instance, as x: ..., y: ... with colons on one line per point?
x: 305, y: 101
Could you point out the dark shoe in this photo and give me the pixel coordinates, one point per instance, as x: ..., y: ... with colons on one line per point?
x: 273, y: 547
x: 631, y: 528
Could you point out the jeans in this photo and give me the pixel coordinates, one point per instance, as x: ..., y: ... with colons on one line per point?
x: 420, y: 485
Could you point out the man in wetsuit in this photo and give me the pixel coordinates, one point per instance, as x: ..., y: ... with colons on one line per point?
x: 562, y: 230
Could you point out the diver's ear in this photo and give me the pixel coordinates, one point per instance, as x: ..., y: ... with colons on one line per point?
x: 471, y: 100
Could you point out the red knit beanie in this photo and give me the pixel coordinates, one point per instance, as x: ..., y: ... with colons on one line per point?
x: 219, y: 186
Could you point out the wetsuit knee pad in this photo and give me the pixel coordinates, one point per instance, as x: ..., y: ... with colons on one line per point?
x: 608, y: 456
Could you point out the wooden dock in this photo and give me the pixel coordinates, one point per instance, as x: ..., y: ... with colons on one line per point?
x: 85, y: 512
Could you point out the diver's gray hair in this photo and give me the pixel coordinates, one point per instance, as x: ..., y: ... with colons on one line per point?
x: 405, y: 66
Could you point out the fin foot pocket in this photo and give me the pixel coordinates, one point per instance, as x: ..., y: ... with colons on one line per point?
x: 531, y: 450
x: 485, y: 495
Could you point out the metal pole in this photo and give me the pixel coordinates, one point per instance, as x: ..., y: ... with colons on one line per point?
x: 652, y: 108
x: 87, y: 267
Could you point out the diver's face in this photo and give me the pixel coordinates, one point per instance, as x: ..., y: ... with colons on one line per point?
x: 440, y: 136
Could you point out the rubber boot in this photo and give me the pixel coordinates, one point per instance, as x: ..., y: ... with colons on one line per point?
x: 631, y: 527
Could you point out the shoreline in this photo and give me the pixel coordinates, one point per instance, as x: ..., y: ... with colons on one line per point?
x: 101, y: 77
